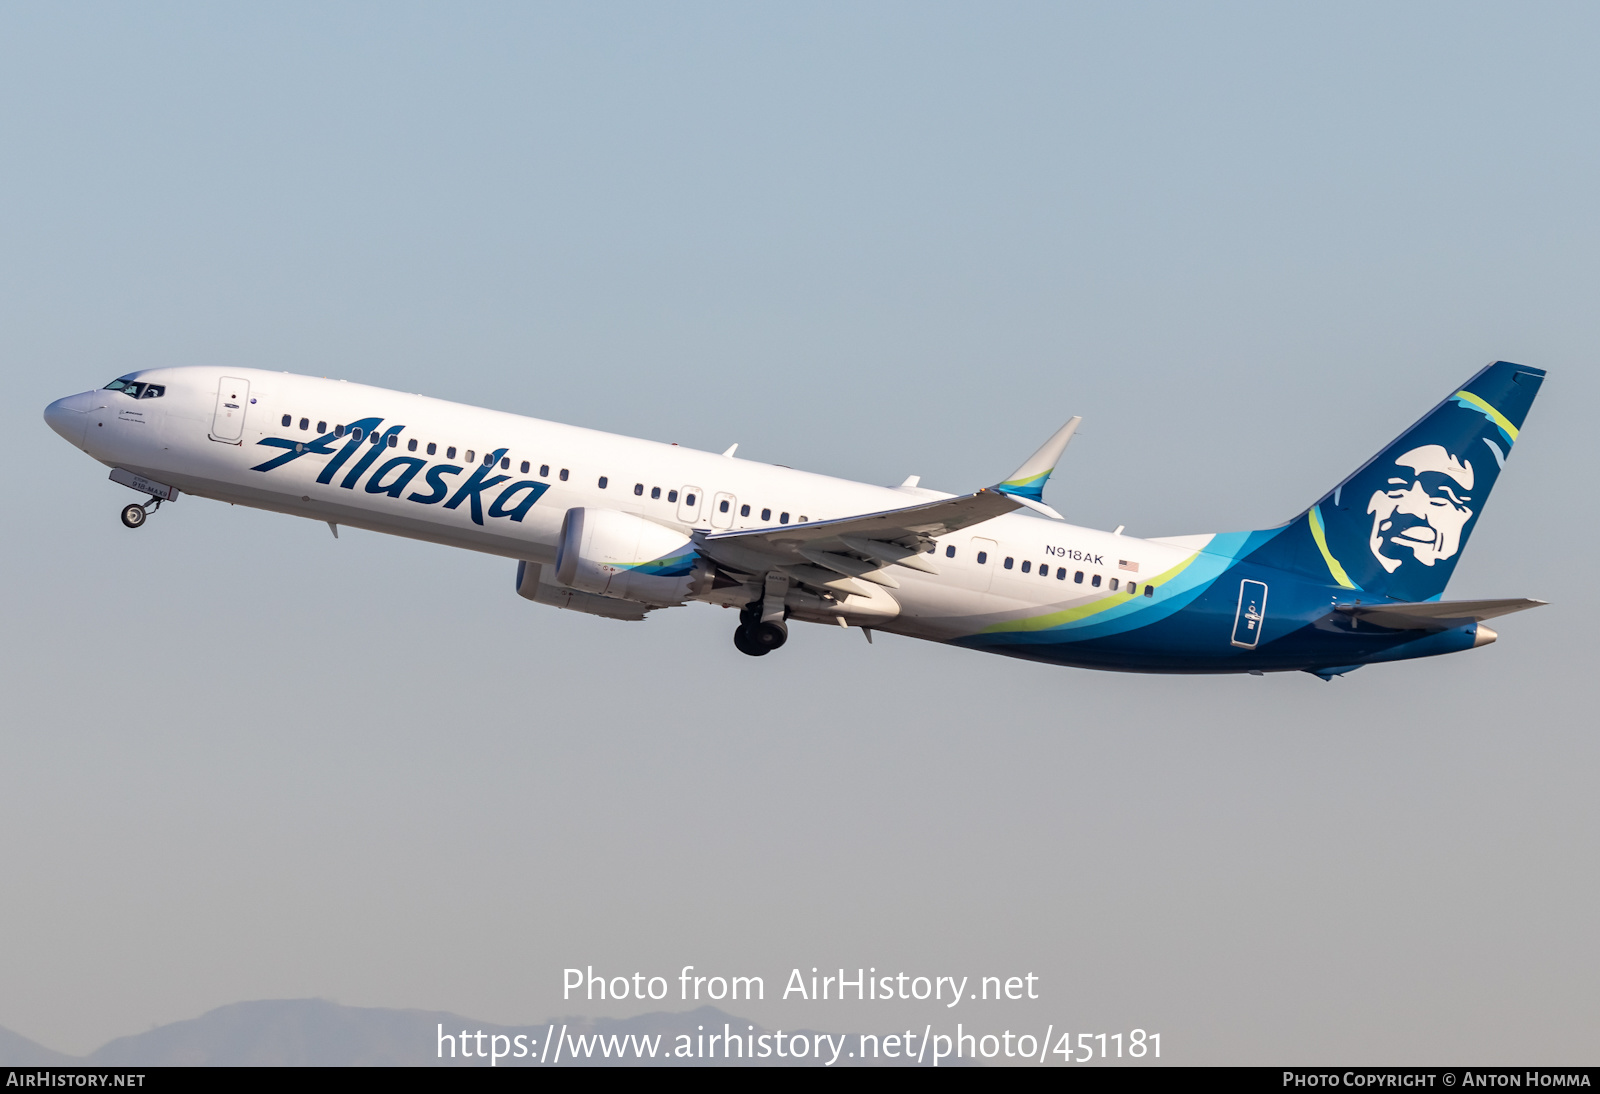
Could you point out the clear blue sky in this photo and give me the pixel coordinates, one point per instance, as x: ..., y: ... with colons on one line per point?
x: 1249, y: 243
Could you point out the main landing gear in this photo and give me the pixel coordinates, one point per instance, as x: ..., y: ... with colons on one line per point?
x: 758, y: 638
x: 135, y: 515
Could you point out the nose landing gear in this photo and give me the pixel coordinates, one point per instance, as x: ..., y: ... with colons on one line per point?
x: 135, y: 515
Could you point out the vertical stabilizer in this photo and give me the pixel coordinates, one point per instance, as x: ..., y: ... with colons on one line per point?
x: 1398, y: 525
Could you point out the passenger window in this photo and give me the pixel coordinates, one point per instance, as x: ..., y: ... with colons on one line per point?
x: 450, y: 453
x: 744, y: 510
x: 411, y: 445
x: 1078, y: 577
x: 505, y: 464
x: 688, y: 499
x: 544, y: 471
x: 1149, y: 590
x: 1133, y: 588
x: 783, y: 518
x: 338, y: 431
x: 563, y: 475
x: 432, y: 448
x: 525, y: 466
x: 950, y: 552
x: 723, y: 508
x: 1061, y: 573
x: 602, y: 482
x: 672, y: 495
x: 983, y: 556
x: 305, y: 424
x: 766, y: 515
x: 1044, y: 571
x: 322, y: 427
x: 286, y: 420
x: 472, y: 457
x: 638, y: 489
x: 1027, y: 566
x: 375, y: 438
x: 356, y: 433
x: 655, y: 493
x: 394, y: 440
x: 1008, y: 563
x: 804, y: 518
x: 1095, y: 581
x: 1113, y: 584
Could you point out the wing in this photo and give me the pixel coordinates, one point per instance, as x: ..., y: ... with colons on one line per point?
x: 838, y: 554
x: 1437, y: 615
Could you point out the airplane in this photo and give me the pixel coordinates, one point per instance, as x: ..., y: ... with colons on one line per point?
x: 618, y: 527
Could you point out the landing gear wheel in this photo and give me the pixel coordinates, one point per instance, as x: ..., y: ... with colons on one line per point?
x: 745, y: 642
x: 769, y: 636
x: 133, y: 516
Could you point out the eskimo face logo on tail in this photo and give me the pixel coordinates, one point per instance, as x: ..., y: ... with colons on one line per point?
x: 1423, y: 508
x: 1399, y: 524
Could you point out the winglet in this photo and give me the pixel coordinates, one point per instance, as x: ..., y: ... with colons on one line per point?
x: 1027, y: 482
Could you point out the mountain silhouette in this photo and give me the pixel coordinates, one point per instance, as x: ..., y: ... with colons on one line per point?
x: 319, y: 1033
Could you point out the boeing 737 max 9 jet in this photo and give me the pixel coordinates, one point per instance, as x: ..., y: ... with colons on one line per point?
x: 619, y: 527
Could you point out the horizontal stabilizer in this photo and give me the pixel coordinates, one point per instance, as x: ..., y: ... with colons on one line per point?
x: 1436, y: 615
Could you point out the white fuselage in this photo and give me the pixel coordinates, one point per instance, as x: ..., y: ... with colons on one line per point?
x: 171, y: 439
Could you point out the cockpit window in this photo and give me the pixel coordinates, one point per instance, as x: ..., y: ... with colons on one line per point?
x: 137, y: 390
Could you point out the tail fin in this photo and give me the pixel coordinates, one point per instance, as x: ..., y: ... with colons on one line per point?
x: 1397, y: 526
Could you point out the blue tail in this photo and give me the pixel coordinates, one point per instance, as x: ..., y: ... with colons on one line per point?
x: 1397, y: 527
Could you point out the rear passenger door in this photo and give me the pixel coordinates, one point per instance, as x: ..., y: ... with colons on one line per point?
x: 1251, y: 613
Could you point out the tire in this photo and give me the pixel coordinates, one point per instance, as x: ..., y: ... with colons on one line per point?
x: 744, y: 641
x: 133, y: 516
x: 769, y: 636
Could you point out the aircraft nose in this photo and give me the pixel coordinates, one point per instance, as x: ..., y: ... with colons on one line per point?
x: 70, y: 416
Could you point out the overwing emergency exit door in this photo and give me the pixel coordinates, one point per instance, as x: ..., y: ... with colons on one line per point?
x: 985, y: 557
x: 227, y: 421
x: 689, y: 504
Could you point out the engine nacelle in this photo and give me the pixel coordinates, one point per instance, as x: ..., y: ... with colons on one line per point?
x: 616, y: 554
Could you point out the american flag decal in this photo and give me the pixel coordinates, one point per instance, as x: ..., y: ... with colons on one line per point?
x: 1124, y: 564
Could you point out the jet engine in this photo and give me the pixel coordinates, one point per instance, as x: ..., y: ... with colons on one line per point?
x: 616, y: 554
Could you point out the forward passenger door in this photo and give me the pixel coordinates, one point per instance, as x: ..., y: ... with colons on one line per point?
x: 233, y: 399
